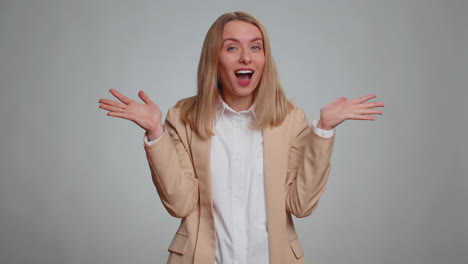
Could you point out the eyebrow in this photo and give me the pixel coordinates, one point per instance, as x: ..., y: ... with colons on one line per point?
x: 236, y: 40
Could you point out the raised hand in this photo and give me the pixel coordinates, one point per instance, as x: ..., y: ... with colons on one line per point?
x: 343, y: 109
x: 147, y: 115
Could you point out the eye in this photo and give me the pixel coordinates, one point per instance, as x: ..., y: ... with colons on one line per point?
x: 256, y: 48
x: 231, y: 48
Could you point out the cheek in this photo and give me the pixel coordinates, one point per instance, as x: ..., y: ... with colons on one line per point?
x: 224, y: 76
x: 261, y: 62
x: 223, y: 67
x: 222, y: 71
x: 261, y: 65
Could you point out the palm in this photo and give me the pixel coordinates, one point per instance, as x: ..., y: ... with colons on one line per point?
x: 142, y: 113
x: 147, y: 115
x: 354, y: 109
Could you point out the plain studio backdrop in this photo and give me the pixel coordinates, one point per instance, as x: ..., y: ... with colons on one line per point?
x: 75, y: 185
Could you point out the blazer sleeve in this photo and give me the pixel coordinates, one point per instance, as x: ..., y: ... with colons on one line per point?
x: 172, y: 169
x: 308, y: 167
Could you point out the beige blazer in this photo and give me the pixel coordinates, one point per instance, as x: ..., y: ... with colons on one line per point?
x: 296, y: 168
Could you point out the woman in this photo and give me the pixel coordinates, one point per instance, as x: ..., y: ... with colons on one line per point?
x: 236, y: 160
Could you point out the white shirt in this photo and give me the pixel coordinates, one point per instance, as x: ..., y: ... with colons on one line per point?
x: 238, y: 191
x: 239, y: 206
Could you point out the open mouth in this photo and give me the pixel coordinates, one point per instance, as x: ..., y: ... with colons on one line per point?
x: 244, y: 76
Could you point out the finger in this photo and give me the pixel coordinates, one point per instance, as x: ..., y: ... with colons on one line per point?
x: 369, y: 112
x: 341, y: 99
x: 120, y: 96
x: 360, y: 117
x: 110, y: 102
x: 112, y: 108
x: 364, y: 98
x: 144, y: 97
x: 120, y: 115
x: 373, y: 104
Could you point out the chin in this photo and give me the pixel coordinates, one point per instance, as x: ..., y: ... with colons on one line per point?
x: 244, y: 91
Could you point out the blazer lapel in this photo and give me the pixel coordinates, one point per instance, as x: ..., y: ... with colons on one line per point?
x: 274, y: 193
x: 201, y: 155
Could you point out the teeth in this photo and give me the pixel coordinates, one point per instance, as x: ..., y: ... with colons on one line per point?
x: 244, y: 72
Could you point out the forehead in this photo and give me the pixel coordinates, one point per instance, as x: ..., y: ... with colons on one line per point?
x: 241, y: 30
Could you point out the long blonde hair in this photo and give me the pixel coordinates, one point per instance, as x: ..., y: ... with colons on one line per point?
x: 270, y: 104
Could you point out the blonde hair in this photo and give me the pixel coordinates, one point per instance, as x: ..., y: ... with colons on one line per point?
x: 270, y: 104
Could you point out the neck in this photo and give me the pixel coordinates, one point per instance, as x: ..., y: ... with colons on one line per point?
x: 239, y: 103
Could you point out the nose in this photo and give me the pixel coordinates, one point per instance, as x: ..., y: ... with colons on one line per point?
x: 245, y: 57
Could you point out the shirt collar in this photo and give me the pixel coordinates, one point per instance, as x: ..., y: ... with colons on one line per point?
x: 222, y: 107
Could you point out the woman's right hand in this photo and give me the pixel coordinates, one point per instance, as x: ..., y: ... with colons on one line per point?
x: 147, y: 115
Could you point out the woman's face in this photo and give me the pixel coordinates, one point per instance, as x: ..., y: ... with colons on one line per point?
x: 241, y: 62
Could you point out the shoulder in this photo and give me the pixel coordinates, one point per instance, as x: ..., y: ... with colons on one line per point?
x: 176, y: 123
x: 177, y: 113
x: 296, y: 115
x: 296, y: 123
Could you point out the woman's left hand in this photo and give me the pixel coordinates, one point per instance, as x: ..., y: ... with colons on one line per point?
x: 353, y: 109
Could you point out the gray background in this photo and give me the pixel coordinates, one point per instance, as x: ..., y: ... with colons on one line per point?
x: 75, y: 186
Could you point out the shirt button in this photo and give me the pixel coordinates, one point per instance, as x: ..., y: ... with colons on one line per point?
x: 237, y: 121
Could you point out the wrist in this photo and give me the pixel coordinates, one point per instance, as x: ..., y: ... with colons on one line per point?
x: 155, y: 133
x: 323, y: 126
